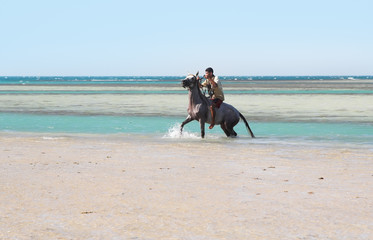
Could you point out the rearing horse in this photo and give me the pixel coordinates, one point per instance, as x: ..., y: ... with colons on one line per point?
x: 227, y: 116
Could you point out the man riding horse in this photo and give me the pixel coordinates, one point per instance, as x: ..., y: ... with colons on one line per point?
x: 199, y: 108
x: 212, y: 82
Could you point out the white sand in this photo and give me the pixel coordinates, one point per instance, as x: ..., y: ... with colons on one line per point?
x: 118, y: 188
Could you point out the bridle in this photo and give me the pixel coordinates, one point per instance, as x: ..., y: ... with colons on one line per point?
x: 191, y: 80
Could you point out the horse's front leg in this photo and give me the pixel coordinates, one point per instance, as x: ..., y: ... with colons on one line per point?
x: 202, y: 124
x: 187, y: 120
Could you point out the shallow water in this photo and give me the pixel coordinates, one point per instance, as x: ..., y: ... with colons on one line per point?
x: 333, y: 110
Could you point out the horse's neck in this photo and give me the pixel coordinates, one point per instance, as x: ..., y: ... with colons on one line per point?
x: 196, y: 96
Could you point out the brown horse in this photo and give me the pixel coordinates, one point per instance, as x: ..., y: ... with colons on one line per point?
x: 227, y: 116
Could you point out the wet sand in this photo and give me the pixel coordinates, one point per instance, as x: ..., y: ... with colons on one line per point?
x: 142, y: 188
x: 100, y: 100
x: 297, y: 107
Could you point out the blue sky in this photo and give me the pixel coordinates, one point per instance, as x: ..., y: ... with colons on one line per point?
x: 140, y: 37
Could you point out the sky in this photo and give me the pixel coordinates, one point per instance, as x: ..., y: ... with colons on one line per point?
x: 174, y: 38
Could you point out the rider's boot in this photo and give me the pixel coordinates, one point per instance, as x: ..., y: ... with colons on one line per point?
x: 212, y: 109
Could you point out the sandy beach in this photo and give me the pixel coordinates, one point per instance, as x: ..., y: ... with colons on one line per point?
x: 121, y: 188
x: 93, y: 95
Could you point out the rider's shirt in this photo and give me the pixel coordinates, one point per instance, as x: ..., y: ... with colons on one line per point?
x: 218, y: 91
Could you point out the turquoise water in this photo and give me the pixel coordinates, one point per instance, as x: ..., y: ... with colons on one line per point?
x: 358, y: 133
x: 334, y: 109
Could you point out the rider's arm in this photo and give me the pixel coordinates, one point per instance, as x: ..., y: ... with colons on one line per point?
x: 213, y: 83
x: 203, y: 84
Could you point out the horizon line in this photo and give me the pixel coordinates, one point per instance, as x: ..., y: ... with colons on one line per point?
x: 331, y: 75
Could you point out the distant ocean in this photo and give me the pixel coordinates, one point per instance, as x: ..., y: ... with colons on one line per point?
x: 79, y: 80
x: 321, y: 110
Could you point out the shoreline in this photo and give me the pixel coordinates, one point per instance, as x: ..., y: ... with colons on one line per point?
x: 147, y: 189
x: 173, y: 137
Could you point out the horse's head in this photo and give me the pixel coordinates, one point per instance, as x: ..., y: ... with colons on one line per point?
x: 190, y: 81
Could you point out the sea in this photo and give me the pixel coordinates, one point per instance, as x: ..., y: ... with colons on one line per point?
x: 322, y: 111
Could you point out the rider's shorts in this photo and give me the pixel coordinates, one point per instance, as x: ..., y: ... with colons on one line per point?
x: 217, y: 102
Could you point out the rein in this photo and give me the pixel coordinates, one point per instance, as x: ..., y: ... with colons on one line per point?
x: 206, y: 90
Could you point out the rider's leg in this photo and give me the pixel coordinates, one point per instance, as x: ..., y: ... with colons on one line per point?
x: 212, y: 109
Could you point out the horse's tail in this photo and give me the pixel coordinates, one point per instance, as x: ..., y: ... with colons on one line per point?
x: 247, y: 125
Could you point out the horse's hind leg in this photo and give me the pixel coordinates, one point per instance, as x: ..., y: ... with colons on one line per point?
x: 225, y: 129
x: 234, y: 133
x: 230, y: 129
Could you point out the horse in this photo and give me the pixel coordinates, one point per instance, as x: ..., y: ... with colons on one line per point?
x: 198, y: 109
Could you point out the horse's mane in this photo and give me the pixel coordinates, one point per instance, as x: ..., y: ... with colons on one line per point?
x: 202, y: 96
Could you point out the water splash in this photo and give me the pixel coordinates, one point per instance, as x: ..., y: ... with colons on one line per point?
x: 174, y: 132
